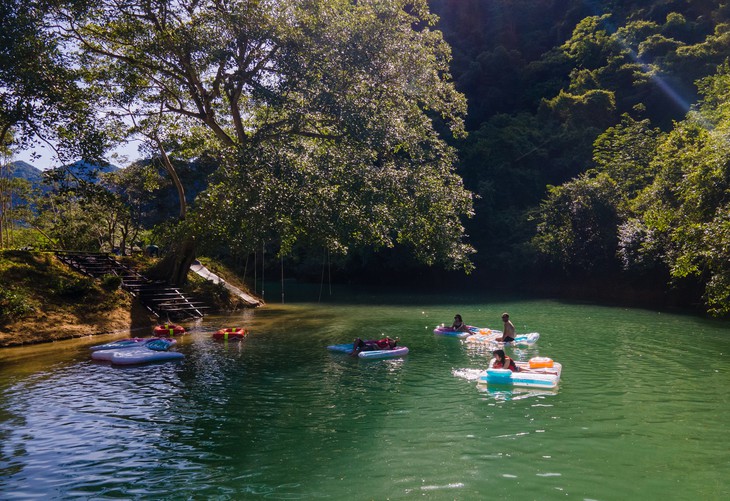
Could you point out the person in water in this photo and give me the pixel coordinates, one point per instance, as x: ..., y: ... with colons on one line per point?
x: 502, y: 361
x: 508, y: 332
x: 385, y: 343
x: 459, y: 324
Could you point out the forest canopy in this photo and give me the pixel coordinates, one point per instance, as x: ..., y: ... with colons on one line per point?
x: 596, y: 146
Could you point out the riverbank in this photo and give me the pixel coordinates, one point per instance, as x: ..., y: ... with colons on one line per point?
x: 42, y: 300
x: 57, y: 325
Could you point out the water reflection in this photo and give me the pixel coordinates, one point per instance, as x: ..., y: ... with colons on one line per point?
x: 507, y: 393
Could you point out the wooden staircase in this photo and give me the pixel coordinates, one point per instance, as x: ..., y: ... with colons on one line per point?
x: 163, y: 300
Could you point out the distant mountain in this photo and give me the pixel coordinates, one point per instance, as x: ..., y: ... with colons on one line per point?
x: 87, y: 171
x: 25, y: 171
x: 82, y: 170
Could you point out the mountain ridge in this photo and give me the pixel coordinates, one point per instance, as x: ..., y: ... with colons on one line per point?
x: 34, y: 175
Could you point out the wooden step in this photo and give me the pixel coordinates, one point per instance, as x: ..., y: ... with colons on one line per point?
x: 156, y: 296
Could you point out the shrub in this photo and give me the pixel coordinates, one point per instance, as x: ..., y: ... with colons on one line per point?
x: 13, y: 305
x: 111, y: 282
x: 73, y: 287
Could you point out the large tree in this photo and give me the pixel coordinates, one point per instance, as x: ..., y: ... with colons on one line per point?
x: 327, y: 117
x: 40, y: 96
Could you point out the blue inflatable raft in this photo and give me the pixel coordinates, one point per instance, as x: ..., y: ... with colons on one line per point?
x: 373, y: 354
x: 155, y: 350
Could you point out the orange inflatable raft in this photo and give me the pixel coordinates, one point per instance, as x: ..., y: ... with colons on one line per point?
x: 230, y: 333
x: 169, y: 330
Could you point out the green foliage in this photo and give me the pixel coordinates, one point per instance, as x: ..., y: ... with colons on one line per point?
x: 624, y: 153
x: 688, y: 202
x: 328, y: 122
x: 41, y: 98
x: 715, y: 103
x: 321, y: 114
x: 72, y: 287
x: 652, y: 199
x: 81, y: 215
x: 634, y: 33
x: 594, y: 108
x: 13, y: 305
x: 14, y: 211
x: 700, y: 59
x: 213, y: 294
x: 578, y: 222
x: 591, y: 44
x: 111, y: 282
x: 28, y: 238
x: 657, y: 46
x: 36, y: 285
x: 70, y: 222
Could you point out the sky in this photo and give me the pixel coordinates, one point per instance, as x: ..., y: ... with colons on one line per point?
x: 121, y: 157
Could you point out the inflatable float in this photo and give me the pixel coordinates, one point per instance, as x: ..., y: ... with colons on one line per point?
x: 168, y: 330
x: 143, y: 356
x: 444, y: 330
x: 155, y: 350
x: 539, y: 372
x: 133, y: 342
x: 491, y: 339
x: 372, y: 354
x: 230, y: 333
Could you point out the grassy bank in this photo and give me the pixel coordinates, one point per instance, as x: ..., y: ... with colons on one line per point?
x: 43, y: 300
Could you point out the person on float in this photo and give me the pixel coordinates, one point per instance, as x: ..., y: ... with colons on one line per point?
x: 385, y: 343
x: 502, y: 361
x: 508, y: 332
x: 459, y: 324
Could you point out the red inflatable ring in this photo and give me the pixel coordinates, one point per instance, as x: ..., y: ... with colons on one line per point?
x: 169, y: 330
x: 230, y: 333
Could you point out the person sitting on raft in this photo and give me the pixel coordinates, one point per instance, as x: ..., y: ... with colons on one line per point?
x: 502, y: 361
x: 372, y: 345
x: 508, y: 332
x: 459, y: 324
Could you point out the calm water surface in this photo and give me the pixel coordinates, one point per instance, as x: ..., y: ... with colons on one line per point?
x: 642, y: 411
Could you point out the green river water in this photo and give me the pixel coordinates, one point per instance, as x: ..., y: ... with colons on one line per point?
x: 642, y: 410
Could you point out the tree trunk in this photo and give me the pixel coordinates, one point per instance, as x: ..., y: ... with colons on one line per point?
x: 174, y: 266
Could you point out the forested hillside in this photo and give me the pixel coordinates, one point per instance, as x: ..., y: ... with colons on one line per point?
x: 595, y: 143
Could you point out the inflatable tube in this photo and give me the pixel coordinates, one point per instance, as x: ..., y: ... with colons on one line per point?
x: 485, y: 336
x: 168, y: 330
x: 106, y: 355
x: 160, y: 344
x: 373, y: 354
x: 230, y: 333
